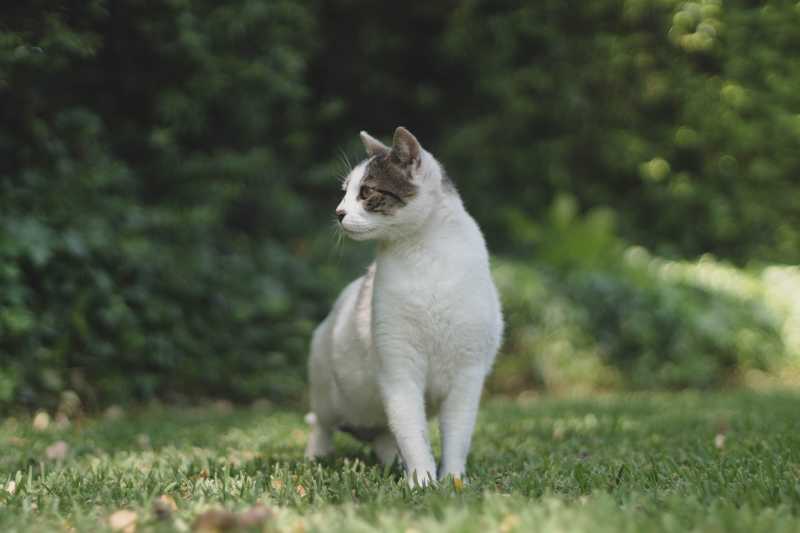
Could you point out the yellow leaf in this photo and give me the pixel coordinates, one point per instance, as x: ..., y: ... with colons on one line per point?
x: 123, y: 520
x: 164, y: 506
x: 214, y: 521
x: 41, y: 421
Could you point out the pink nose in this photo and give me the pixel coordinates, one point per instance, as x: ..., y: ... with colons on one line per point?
x: 340, y: 213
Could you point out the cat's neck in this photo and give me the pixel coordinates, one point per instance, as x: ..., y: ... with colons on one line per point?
x: 438, y: 232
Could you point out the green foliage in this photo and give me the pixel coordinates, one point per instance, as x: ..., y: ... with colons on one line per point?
x: 626, y: 318
x: 167, y: 177
x: 671, y: 463
x: 681, y: 116
x: 149, y: 238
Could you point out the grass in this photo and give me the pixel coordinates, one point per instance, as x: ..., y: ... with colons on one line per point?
x: 649, y: 462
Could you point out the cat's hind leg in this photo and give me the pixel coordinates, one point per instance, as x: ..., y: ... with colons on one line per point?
x: 385, y: 447
x: 320, y: 442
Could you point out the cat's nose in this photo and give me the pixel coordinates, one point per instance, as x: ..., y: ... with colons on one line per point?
x: 340, y: 213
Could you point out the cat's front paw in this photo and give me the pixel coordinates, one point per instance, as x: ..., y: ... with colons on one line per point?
x: 420, y: 478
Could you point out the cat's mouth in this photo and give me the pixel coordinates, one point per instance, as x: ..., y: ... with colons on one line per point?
x: 357, y: 233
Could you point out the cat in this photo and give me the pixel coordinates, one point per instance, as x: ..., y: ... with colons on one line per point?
x: 418, y: 333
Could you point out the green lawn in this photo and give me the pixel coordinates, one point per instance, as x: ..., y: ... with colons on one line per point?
x: 683, y: 462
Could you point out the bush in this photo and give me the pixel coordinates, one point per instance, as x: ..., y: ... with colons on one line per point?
x: 636, y: 321
x: 151, y: 244
x: 168, y: 176
x: 679, y: 116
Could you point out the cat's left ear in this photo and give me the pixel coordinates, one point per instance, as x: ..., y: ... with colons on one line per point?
x: 405, y: 146
x: 372, y: 145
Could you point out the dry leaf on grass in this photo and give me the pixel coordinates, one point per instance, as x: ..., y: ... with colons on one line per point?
x: 123, y: 520
x: 164, y: 506
x: 256, y: 515
x: 57, y: 451
x: 219, y: 520
x: 510, y: 523
x: 41, y: 421
x: 215, y: 521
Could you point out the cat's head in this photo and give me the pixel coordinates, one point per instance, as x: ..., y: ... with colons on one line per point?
x: 391, y: 193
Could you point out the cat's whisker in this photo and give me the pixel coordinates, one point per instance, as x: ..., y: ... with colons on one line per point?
x: 347, y: 166
x: 346, y: 160
x: 338, y: 232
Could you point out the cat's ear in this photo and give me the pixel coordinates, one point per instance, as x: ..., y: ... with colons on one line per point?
x: 405, y: 146
x: 372, y: 145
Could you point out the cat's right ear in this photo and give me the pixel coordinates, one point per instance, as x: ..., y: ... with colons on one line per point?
x: 373, y: 146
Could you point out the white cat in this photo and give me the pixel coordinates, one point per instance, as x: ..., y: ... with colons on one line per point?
x: 420, y: 330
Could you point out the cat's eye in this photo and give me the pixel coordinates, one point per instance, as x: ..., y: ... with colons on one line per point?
x: 364, y: 191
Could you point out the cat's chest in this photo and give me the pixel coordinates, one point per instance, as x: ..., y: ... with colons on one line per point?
x: 430, y: 308
x: 428, y: 288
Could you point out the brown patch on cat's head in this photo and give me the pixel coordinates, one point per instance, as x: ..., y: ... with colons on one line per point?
x: 387, y: 184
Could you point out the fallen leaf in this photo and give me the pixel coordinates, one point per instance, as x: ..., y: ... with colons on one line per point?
x: 215, y: 521
x: 41, y: 421
x: 254, y: 516
x: 57, y: 451
x: 510, y: 522
x: 719, y: 441
x: 300, y: 490
x: 164, y: 506
x: 123, y: 520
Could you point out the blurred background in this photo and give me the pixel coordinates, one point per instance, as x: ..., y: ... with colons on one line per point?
x: 169, y: 171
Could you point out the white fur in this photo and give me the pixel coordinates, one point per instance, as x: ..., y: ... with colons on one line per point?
x: 419, y: 330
